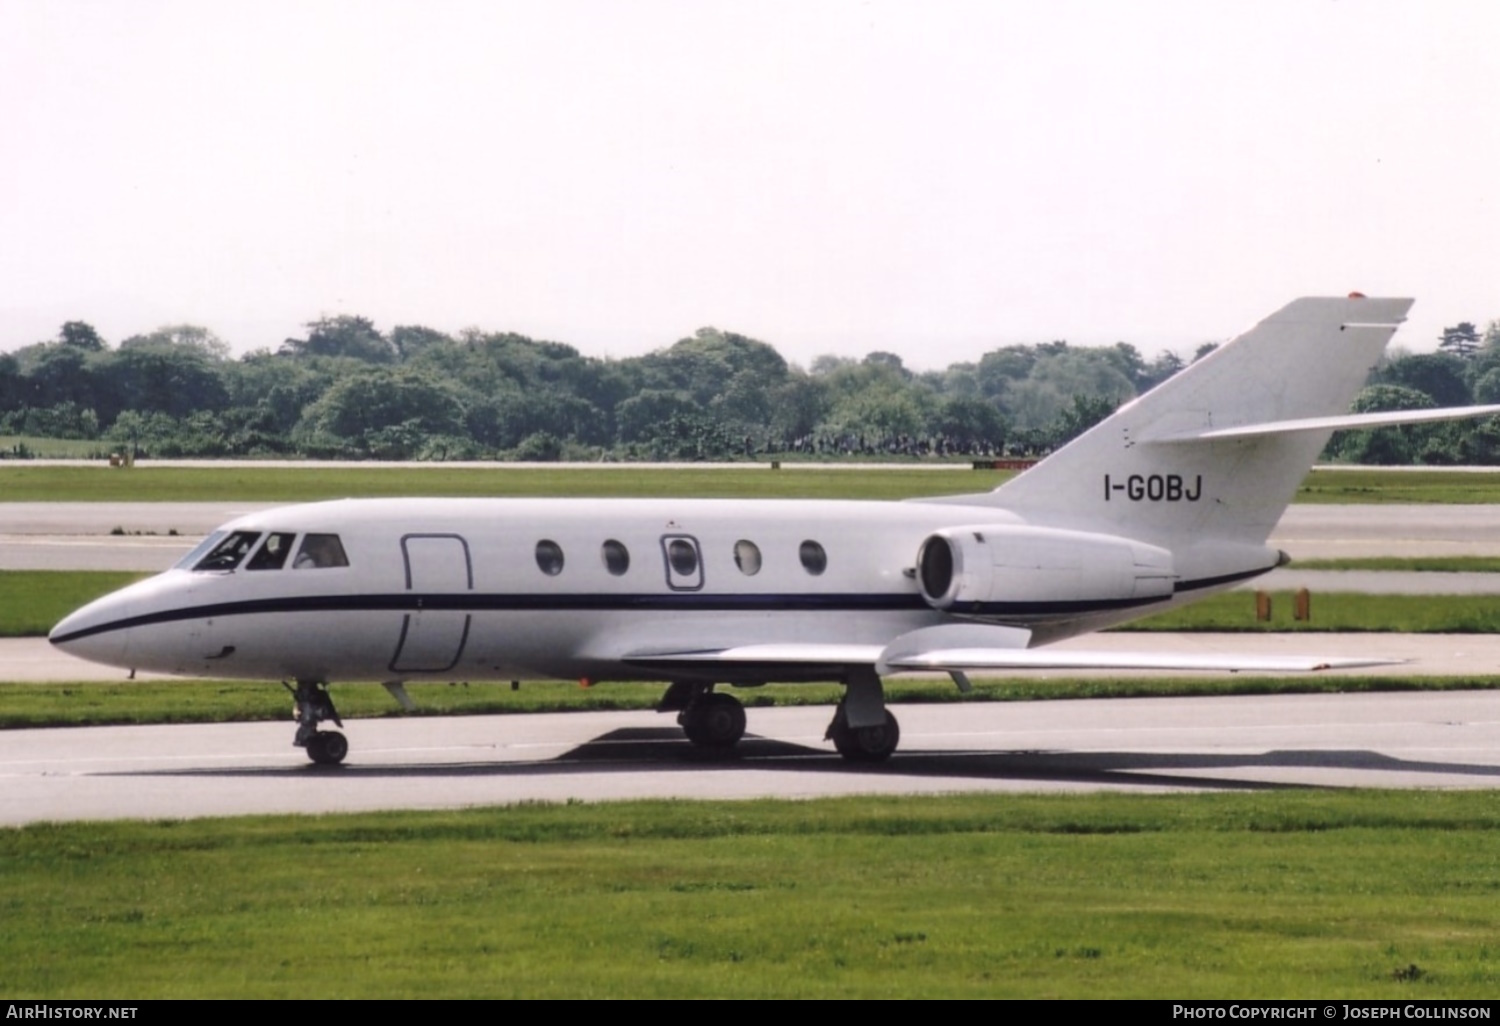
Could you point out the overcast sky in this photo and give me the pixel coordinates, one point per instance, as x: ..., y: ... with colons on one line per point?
x: 933, y: 179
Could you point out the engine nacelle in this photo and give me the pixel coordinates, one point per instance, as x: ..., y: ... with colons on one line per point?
x: 1012, y: 570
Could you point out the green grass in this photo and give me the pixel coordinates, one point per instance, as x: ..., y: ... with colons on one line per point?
x: 1400, y: 486
x: 1335, y: 611
x: 1287, y: 894
x: 31, y: 601
x: 1407, y: 564
x: 19, y: 483
x: 97, y: 703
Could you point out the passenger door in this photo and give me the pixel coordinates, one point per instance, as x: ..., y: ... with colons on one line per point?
x: 440, y: 574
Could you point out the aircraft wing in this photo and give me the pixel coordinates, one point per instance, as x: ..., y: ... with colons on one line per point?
x: 948, y: 660
x: 961, y: 647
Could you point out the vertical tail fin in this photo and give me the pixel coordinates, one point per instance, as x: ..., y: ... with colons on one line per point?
x: 1144, y: 474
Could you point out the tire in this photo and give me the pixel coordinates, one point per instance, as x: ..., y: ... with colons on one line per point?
x: 715, y: 721
x: 327, y: 748
x: 866, y: 744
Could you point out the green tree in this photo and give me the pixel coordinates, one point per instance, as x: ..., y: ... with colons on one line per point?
x: 1461, y: 340
x: 344, y: 335
x: 1439, y: 376
x: 1383, y: 446
x: 81, y: 335
x: 361, y: 405
x: 1082, y: 413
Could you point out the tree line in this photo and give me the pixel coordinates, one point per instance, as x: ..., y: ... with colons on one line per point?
x: 347, y: 390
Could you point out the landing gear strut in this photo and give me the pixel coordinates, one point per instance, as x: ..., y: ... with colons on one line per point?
x: 314, y: 705
x: 711, y: 720
x: 863, y: 729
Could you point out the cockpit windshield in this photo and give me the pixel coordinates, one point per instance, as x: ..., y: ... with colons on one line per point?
x: 230, y: 552
x: 200, y: 550
x: 272, y: 555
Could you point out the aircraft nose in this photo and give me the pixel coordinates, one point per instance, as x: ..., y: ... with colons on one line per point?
x: 94, y: 633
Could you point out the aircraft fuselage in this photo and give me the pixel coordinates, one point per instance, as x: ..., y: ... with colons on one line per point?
x: 500, y: 589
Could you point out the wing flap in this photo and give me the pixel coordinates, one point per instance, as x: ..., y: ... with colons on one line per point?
x: 796, y: 653
x: 957, y: 648
x: 962, y: 659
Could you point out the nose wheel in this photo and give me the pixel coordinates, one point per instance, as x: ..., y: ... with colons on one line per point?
x: 313, y: 705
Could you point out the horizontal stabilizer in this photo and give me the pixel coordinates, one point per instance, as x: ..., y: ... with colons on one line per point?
x: 1342, y: 422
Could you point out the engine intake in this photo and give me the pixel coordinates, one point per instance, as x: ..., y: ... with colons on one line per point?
x: 1007, y: 570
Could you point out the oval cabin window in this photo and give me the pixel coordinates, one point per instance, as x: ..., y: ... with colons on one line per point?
x: 616, y: 557
x: 683, y: 557
x: 747, y: 557
x: 814, y: 559
x: 549, y: 557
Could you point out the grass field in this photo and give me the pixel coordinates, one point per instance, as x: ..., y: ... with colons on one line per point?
x: 180, y: 484
x: 1407, y: 564
x: 1251, y: 895
x: 1401, y: 486
x: 20, y: 482
x: 31, y: 601
x: 1335, y: 611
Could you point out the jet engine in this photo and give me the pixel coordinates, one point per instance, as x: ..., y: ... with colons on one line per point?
x: 1007, y: 569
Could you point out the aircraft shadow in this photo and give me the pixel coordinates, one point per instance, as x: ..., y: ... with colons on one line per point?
x: 664, y: 750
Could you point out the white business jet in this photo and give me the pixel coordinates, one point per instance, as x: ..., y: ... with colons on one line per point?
x: 1170, y: 499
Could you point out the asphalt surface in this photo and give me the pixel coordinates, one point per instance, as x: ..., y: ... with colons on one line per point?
x: 1406, y: 740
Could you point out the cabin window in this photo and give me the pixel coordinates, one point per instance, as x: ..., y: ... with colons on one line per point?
x: 228, y: 553
x: 616, y: 557
x: 814, y: 559
x: 272, y: 555
x: 549, y: 557
x: 747, y: 557
x: 320, y: 551
x: 683, y: 556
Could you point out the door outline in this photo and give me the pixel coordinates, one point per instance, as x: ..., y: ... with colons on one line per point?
x: 430, y: 633
x: 676, y: 581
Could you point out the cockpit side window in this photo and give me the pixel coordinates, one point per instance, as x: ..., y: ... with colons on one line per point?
x: 272, y: 555
x: 320, y: 551
x: 228, y: 553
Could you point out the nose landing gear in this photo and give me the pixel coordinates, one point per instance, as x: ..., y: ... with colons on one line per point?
x: 313, y: 705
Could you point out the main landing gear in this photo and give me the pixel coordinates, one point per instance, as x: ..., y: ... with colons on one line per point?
x: 314, y: 705
x: 863, y: 744
x: 711, y: 720
x: 863, y: 729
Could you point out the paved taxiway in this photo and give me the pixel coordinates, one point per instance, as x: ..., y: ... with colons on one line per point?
x: 1446, y: 740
